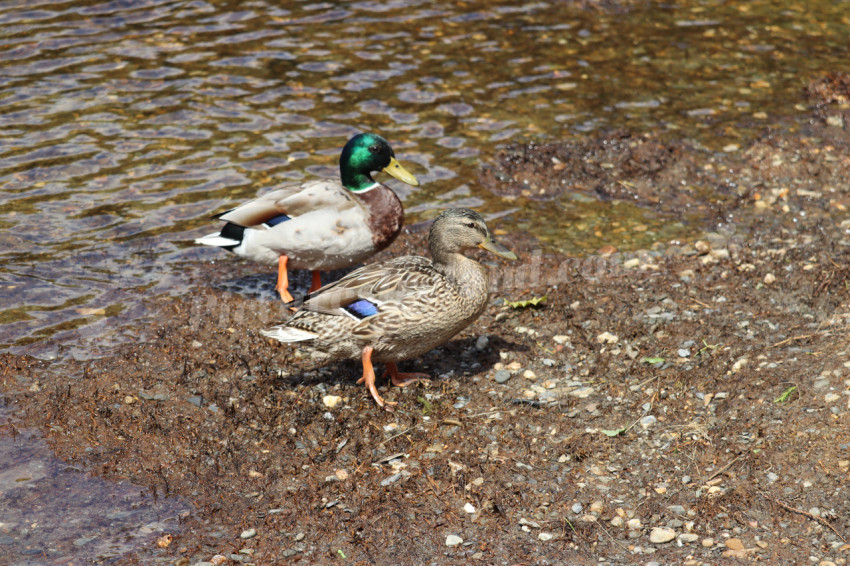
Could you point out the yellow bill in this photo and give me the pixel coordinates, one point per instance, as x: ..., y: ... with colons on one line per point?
x: 396, y: 170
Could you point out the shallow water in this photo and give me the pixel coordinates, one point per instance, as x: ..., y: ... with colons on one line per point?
x: 53, y: 513
x: 124, y: 124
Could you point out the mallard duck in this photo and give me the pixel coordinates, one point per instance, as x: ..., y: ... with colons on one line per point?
x: 401, y: 308
x: 324, y: 224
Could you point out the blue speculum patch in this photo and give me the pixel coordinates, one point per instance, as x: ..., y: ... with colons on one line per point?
x: 277, y: 220
x: 362, y: 308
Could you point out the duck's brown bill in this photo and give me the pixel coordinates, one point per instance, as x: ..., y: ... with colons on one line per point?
x: 492, y: 245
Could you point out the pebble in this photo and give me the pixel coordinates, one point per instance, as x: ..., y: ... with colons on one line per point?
x: 648, y: 421
x: 826, y: 563
x: 390, y: 480
x: 660, y: 535
x: 769, y: 279
x: 530, y: 375
x: 734, y: 544
x: 702, y: 247
x: 453, y: 540
x: 597, y: 507
x: 248, y: 533
x: 618, y: 522
x: 634, y: 524
x: 577, y: 508
x: 469, y: 508
x: 561, y: 339
x: 482, y: 343
x: 686, y: 538
x: 683, y: 353
x: 707, y: 542
x: 502, y: 376
x: 607, y: 338
x: 583, y: 392
x: 831, y: 397
x: 772, y: 477
x: 331, y: 401
x: 545, y: 536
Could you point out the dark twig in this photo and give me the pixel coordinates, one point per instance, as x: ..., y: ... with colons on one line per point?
x: 721, y: 470
x: 815, y: 518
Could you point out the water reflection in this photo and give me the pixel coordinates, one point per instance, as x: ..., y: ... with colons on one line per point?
x: 123, y: 124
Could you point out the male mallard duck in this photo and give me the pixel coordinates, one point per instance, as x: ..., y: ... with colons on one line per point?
x: 401, y: 308
x: 321, y: 225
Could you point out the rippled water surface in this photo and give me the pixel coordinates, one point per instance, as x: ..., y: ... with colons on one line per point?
x: 123, y: 124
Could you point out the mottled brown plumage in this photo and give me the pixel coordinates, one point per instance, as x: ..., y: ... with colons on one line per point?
x: 401, y: 308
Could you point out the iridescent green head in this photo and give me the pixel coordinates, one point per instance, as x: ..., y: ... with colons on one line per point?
x: 365, y: 153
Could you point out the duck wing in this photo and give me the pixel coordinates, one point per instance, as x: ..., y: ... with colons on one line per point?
x: 362, y: 292
x: 288, y: 202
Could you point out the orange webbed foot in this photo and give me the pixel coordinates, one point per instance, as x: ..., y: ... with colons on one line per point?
x: 369, y: 379
x: 283, y: 280
x: 404, y: 379
x: 317, y: 282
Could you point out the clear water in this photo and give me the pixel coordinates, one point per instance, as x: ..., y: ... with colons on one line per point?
x: 123, y: 124
x: 53, y: 513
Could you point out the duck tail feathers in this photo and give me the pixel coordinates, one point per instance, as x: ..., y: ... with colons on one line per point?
x: 230, y: 237
x: 216, y: 240
x: 288, y: 334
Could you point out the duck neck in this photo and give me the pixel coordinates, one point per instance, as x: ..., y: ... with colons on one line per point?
x: 357, y: 182
x: 354, y: 172
x: 467, y: 275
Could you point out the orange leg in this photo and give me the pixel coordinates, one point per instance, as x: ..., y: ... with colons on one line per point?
x: 283, y: 280
x: 317, y: 282
x: 369, y: 379
x: 404, y: 379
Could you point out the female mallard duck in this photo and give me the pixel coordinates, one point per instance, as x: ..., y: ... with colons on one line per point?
x: 401, y: 308
x: 321, y: 225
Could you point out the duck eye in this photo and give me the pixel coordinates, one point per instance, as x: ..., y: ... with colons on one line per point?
x: 374, y: 148
x: 470, y: 224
